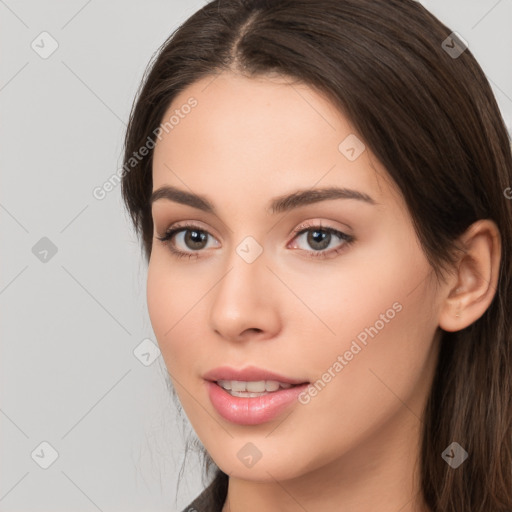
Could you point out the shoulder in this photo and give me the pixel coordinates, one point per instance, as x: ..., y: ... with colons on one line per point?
x: 204, y: 502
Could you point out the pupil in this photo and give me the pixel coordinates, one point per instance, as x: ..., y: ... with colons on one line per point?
x: 195, y: 238
x: 319, y: 237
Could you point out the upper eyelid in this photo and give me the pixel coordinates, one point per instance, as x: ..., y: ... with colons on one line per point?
x: 184, y: 225
x: 190, y: 224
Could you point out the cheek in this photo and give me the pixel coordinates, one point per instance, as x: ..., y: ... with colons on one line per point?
x: 373, y: 382
x: 172, y: 302
x: 381, y: 345
x: 370, y: 337
x: 364, y: 295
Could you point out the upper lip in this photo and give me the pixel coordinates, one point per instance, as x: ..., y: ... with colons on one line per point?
x: 249, y: 373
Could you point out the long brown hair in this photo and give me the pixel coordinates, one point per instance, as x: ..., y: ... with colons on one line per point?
x: 429, y: 115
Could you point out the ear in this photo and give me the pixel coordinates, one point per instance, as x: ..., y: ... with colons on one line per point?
x: 471, y: 289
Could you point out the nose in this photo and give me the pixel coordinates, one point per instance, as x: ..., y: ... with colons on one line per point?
x: 244, y: 303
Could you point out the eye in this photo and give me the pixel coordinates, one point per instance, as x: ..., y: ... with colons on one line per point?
x: 188, y: 235
x: 321, y: 237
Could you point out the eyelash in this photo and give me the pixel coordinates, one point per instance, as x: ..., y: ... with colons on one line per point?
x: 303, y: 228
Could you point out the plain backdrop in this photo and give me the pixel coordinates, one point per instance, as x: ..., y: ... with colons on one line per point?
x: 86, y: 419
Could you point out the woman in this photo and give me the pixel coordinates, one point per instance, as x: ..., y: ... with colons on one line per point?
x: 320, y: 189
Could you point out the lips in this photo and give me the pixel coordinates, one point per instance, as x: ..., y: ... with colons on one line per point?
x: 251, y: 408
x: 250, y: 373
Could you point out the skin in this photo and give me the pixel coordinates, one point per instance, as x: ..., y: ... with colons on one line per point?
x: 354, y: 446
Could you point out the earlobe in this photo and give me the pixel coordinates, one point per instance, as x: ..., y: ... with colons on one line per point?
x: 472, y: 288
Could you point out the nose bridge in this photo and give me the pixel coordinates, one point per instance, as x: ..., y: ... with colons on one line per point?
x: 246, y: 266
x: 242, y: 298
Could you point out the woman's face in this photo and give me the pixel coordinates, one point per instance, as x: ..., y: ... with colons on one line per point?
x: 352, y: 311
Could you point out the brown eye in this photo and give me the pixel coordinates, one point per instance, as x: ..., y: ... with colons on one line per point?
x: 186, y: 240
x: 319, y: 238
x: 195, y: 239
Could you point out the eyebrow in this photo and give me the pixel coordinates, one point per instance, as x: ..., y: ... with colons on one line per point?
x: 277, y: 205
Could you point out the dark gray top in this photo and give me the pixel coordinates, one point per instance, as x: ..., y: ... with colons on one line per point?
x: 203, y: 503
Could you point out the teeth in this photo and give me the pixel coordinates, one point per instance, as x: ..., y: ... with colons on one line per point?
x: 238, y: 385
x: 252, y: 388
x: 255, y: 387
x: 269, y: 385
x: 226, y: 384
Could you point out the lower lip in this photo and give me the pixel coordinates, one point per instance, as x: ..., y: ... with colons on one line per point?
x: 252, y: 410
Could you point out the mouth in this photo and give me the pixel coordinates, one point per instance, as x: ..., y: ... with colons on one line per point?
x: 242, y: 403
x: 251, y: 395
x: 253, y: 389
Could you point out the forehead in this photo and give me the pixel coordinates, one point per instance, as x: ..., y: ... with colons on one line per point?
x: 230, y: 132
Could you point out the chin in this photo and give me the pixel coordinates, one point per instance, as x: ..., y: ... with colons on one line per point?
x: 274, y: 468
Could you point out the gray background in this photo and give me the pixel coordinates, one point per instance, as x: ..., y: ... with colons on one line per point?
x: 71, y: 320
